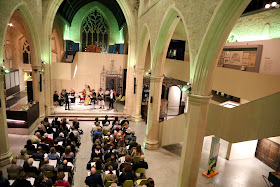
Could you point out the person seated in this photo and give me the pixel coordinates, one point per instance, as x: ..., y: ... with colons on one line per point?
x: 60, y: 137
x: 42, y: 181
x: 47, y: 166
x: 114, y: 185
x: 110, y: 176
x: 108, y: 153
x: 59, y: 148
x: 30, y: 148
x: 96, y: 153
x: 132, y: 143
x: 117, y: 131
x: 53, y: 155
x: 140, y: 164
x: 40, y: 130
x: 76, y: 133
x: 151, y: 182
x: 107, y: 126
x: 74, y: 139
x: 116, y: 119
x: 98, y: 165
x: 95, y: 127
x: 137, y: 151
x: 23, y: 155
x: 22, y: 181
x: 122, y: 151
x: 105, y: 120
x: 94, y: 179
x: 45, y: 147
x: 119, y: 137
x: 127, y: 161
x: 99, y: 132
x: 68, y: 153
x: 124, y: 120
x: 132, y: 136
x: 76, y: 124
x: 47, y: 140
x: 127, y: 174
x: 38, y: 155
x: 112, y: 163
x: 60, y: 180
x: 64, y: 168
x: 46, y: 122
x: 30, y: 168
x: 43, y: 126
x: 69, y: 143
x: 36, y: 138
x: 14, y: 168
x: 116, y: 125
x: 3, y: 181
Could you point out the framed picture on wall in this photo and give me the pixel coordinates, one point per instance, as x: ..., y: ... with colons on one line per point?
x: 226, y: 54
x: 226, y: 61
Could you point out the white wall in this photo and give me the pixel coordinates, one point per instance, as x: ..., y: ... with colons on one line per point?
x: 90, y: 66
x: 270, y: 63
x: 174, y: 96
x: 243, y: 150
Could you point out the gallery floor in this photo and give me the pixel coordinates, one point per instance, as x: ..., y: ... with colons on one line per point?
x: 164, y: 163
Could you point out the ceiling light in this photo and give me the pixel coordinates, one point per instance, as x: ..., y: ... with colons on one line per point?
x: 267, y: 6
x: 273, y: 4
x: 10, y: 24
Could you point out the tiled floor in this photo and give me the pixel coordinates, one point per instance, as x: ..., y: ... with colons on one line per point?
x: 164, y: 163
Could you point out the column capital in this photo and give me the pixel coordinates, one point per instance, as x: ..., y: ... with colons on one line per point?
x: 156, y: 79
x: 199, y: 99
x: 138, y: 70
x: 36, y: 67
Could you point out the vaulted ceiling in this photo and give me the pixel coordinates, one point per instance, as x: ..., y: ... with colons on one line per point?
x: 69, y: 8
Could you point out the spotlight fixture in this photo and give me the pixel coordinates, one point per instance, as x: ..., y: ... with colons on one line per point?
x: 267, y: 6
x: 273, y: 4
x: 4, y: 70
x: 10, y: 24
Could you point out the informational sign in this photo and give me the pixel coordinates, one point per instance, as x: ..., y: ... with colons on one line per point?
x: 213, y: 157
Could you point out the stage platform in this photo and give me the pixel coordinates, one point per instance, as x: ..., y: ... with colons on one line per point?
x: 89, y: 112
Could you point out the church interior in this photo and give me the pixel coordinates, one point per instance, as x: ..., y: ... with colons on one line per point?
x: 140, y: 93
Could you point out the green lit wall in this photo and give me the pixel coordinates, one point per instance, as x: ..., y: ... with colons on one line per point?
x: 74, y: 34
x: 262, y: 26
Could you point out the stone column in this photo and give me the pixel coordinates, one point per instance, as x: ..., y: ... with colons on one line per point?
x: 193, y: 140
x: 152, y: 132
x: 37, y: 95
x: 5, y: 153
x: 138, y: 97
x: 129, y: 95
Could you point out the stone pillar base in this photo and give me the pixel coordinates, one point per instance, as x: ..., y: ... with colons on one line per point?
x: 6, y: 158
x: 151, y: 144
x: 126, y: 110
x: 137, y: 118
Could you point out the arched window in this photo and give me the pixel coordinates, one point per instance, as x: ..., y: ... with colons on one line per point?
x: 26, y: 53
x: 95, y: 30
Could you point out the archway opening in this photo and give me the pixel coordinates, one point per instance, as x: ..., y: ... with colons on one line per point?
x: 94, y: 36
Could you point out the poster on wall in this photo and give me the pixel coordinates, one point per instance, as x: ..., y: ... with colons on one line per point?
x: 16, y: 78
x: 12, y: 77
x: 236, y: 57
x: 226, y: 61
x: 246, y: 55
x: 245, y: 62
x: 226, y: 54
x: 7, y: 81
x: 252, y: 60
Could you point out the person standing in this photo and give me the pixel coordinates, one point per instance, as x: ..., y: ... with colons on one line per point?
x: 101, y: 98
x: 112, y: 99
x: 67, y: 101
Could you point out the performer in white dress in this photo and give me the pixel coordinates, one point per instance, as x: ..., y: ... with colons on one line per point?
x: 101, y: 99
